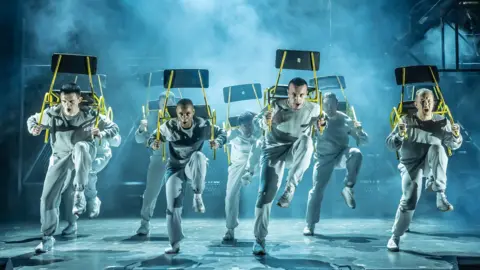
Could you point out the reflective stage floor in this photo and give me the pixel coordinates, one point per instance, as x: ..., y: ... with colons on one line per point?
x: 338, y: 244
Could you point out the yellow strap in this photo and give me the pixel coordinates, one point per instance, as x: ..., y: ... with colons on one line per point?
x: 320, y: 101
x: 90, y: 80
x: 48, y: 96
x: 228, y: 106
x: 343, y: 91
x: 353, y: 113
x: 229, y: 159
x: 148, y: 91
x: 100, y: 85
x: 110, y: 113
x: 256, y: 96
x: 158, y: 125
x: 400, y: 107
x: 204, y: 95
x: 275, y: 87
x: 279, y: 73
x: 161, y: 113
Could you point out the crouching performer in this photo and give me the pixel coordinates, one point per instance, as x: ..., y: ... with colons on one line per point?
x: 72, y: 132
x: 288, y: 142
x: 245, y: 155
x: 185, y: 135
x: 420, y: 140
x: 332, y: 151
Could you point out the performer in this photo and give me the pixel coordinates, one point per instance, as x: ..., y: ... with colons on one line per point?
x: 333, y: 151
x: 156, y: 167
x: 245, y: 155
x: 289, y: 142
x: 185, y: 135
x: 420, y: 140
x: 102, y: 158
x: 72, y: 136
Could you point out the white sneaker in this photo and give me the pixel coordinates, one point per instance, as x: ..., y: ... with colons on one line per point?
x: 198, y: 205
x: 46, y: 245
x: 347, y: 194
x: 93, y: 207
x: 144, y: 228
x: 442, y: 202
x: 79, y: 203
x: 259, y: 248
x: 229, y: 235
x: 71, y: 229
x: 393, y: 244
x: 308, y: 230
x: 287, y: 197
x: 173, y: 249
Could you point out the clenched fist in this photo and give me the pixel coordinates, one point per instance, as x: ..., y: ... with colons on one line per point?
x: 456, y: 130
x: 36, y: 130
x: 214, y: 144
x: 143, y: 125
x: 321, y: 122
x: 96, y: 133
x: 402, y: 129
x: 268, y: 116
x: 156, y: 145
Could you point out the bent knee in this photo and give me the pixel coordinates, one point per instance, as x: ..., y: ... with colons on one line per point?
x: 356, y: 153
x: 265, y: 197
x: 408, y: 205
x: 81, y: 147
x: 199, y: 156
x: 305, y: 139
x: 436, y: 149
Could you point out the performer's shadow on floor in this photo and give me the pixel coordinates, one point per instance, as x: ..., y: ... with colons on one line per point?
x: 447, y: 235
x: 30, y: 259
x: 59, y: 237
x: 292, y: 263
x: 170, y: 260
x: 351, y: 239
x: 273, y: 246
x: 137, y: 238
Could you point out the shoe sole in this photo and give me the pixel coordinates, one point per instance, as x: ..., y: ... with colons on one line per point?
x: 98, y: 213
x: 284, y: 205
x: 69, y: 234
x: 346, y: 201
x: 447, y: 210
x: 393, y: 249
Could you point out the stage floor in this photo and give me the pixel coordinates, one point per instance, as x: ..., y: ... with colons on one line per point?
x: 338, y: 244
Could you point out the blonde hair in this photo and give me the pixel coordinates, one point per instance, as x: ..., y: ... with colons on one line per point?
x: 423, y: 91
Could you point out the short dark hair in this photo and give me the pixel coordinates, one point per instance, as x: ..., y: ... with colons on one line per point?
x: 185, y: 102
x: 297, y: 82
x: 246, y: 117
x: 71, y: 88
x: 330, y: 95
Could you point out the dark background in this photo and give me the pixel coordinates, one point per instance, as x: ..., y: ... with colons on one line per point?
x: 236, y: 40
